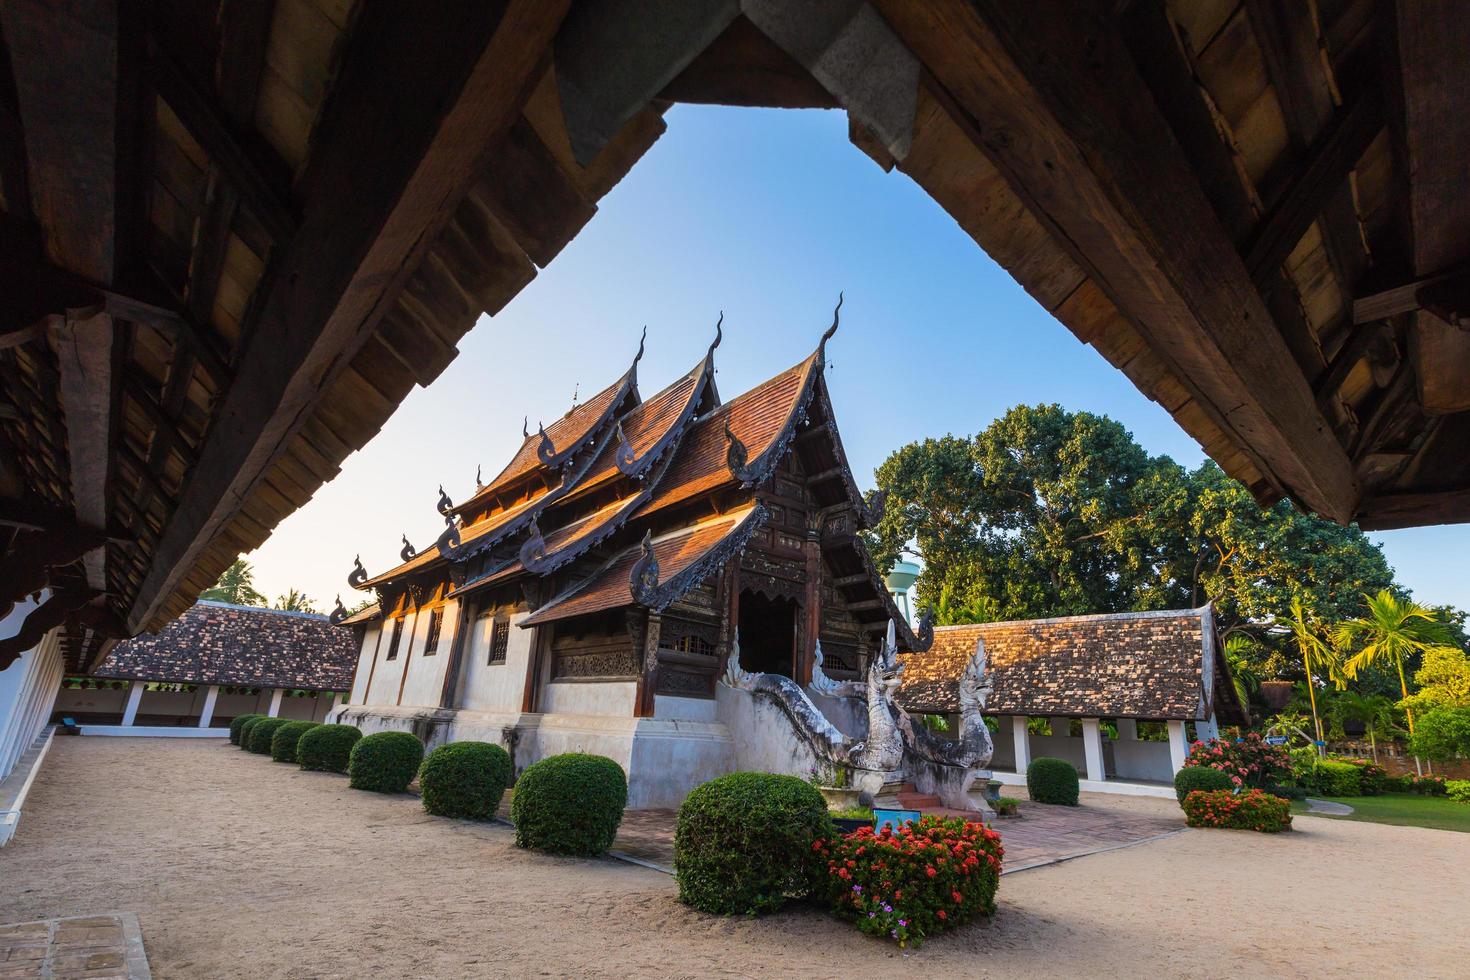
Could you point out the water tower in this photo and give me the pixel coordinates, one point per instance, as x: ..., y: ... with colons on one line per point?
x: 900, y: 580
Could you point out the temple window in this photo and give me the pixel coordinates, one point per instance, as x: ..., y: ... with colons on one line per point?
x: 431, y: 640
x: 499, y: 641
x: 393, y: 642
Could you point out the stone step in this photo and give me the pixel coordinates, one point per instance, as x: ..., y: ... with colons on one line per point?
x: 913, y: 800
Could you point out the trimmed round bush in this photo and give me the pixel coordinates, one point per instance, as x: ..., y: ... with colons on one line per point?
x: 569, y: 804
x: 1191, y: 778
x: 237, y: 723
x: 1052, y: 781
x: 327, y: 748
x: 385, y: 762
x: 245, y: 730
x: 287, y: 737
x: 745, y: 843
x: 261, y: 733
x: 464, y: 780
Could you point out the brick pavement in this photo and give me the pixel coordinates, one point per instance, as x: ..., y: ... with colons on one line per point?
x: 93, y: 946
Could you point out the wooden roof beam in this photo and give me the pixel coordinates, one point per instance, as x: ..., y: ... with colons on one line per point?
x: 1067, y: 119
x: 1395, y: 510
x: 385, y: 176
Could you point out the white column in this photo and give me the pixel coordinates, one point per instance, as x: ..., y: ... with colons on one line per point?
x: 1178, y: 745
x: 275, y: 708
x: 1127, y: 729
x: 1093, y: 749
x: 1023, y: 742
x: 135, y: 694
x: 207, y: 715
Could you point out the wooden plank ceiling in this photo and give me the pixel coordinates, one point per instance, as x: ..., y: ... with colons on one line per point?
x: 237, y: 232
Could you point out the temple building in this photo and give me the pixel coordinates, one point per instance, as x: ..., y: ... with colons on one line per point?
x: 1101, y: 675
x: 590, y: 596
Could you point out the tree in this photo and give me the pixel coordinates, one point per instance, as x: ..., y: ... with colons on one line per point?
x: 1244, y: 676
x: 294, y: 601
x: 1375, y: 711
x: 236, y: 586
x: 1393, y: 630
x: 1444, y: 680
x: 1443, y: 734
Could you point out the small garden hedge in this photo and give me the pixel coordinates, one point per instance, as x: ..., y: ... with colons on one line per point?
x: 262, y: 730
x: 287, y: 738
x: 1337, y: 778
x: 569, y: 804
x: 1458, y: 790
x: 744, y: 843
x: 247, y: 728
x: 237, y: 723
x: 921, y: 880
x: 1191, y: 778
x: 1052, y: 781
x: 1251, y: 810
x: 385, y: 762
x: 327, y: 748
x: 464, y: 780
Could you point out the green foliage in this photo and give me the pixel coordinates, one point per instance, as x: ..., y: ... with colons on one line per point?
x: 246, y: 729
x: 1052, y: 781
x: 236, y: 586
x: 287, y: 738
x: 1191, y: 778
x: 1443, y: 680
x: 237, y: 723
x: 1251, y: 810
x: 464, y: 780
x: 1337, y: 778
x: 327, y: 748
x: 384, y: 762
x: 1458, y: 790
x: 1248, y: 762
x: 744, y: 843
x: 1048, y: 512
x: 295, y: 601
x: 1442, y: 734
x: 572, y: 804
x: 261, y: 733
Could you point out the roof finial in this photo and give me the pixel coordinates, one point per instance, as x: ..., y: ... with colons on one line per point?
x: 719, y: 334
x: 639, y: 356
x: 643, y: 578
x: 836, y: 317
x: 358, y: 575
x: 339, y: 612
x: 478, y: 482
x: 407, y: 551
x: 546, y: 451
x: 624, y: 457
x: 525, y: 426
x: 444, y: 504
x: 576, y: 393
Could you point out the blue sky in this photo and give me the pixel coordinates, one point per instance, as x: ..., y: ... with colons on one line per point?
x: 766, y: 215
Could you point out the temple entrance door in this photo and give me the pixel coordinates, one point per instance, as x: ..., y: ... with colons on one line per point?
x: 767, y: 634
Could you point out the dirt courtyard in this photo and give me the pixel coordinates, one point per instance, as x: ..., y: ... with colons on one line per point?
x: 240, y: 867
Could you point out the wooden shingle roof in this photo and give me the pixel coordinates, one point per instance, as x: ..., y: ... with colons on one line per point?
x: 218, y: 643
x: 1149, y: 665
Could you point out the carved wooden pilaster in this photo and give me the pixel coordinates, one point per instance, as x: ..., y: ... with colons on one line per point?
x: 648, y: 681
x: 449, y: 695
x: 730, y: 614
x: 811, y: 601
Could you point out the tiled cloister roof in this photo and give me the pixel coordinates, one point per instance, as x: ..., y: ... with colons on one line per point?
x: 218, y: 643
x: 1152, y: 665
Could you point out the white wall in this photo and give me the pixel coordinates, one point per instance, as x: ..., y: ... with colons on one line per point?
x: 495, y: 687
x: 425, y: 683
x: 590, y: 698
x: 370, y: 638
x: 1133, y: 759
x: 27, y: 687
x: 387, y: 676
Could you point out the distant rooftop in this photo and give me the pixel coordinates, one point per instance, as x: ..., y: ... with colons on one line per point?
x: 221, y: 643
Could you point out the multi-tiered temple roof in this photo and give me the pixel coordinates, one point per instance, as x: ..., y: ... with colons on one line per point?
x: 627, y: 501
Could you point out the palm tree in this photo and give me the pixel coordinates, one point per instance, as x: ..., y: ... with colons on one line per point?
x: 1393, y: 630
x: 1247, y: 681
x: 1316, y: 655
x: 1374, y: 710
x: 236, y: 586
x: 294, y: 601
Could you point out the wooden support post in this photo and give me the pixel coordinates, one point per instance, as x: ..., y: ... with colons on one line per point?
x: 449, y: 695
x: 811, y: 607
x: 648, y: 682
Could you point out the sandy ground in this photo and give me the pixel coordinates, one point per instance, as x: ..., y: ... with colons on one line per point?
x: 240, y: 867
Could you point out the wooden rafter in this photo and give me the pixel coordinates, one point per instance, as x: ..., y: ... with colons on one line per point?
x: 367, y: 219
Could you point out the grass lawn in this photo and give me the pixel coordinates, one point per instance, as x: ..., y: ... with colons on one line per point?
x: 1402, y: 809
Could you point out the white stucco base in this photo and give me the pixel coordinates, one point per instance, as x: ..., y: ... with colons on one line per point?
x: 153, y: 731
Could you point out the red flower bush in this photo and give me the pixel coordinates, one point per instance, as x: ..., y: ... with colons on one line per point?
x: 909, y: 884
x: 1251, y: 810
x: 1249, y: 762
